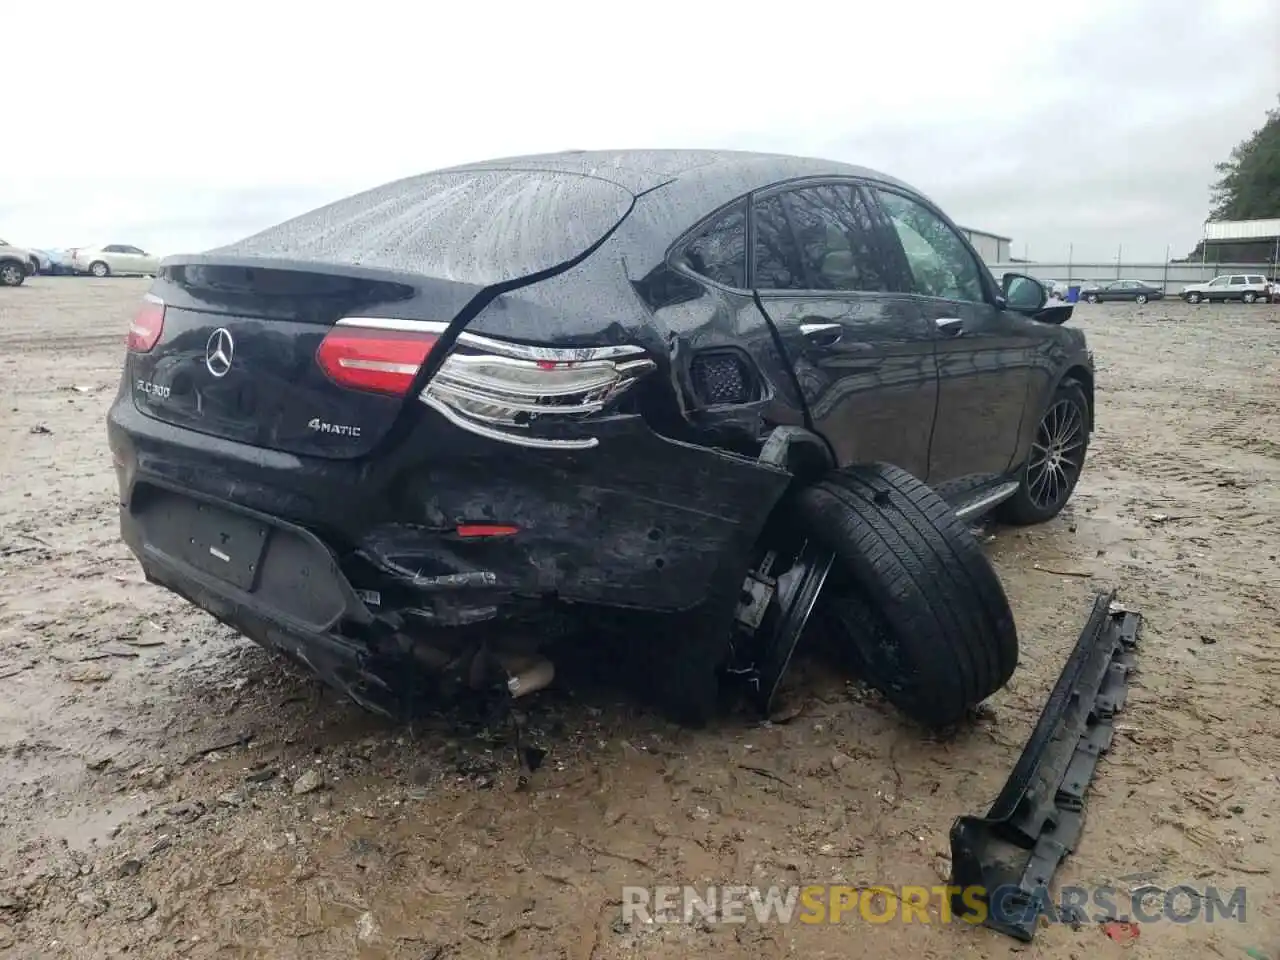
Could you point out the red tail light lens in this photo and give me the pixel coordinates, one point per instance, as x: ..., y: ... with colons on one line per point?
x: 148, y: 324
x: 381, y: 359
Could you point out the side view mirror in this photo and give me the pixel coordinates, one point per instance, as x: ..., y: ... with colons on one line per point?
x: 1023, y: 293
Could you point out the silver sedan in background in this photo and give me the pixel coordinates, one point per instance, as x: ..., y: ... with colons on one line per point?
x: 114, y: 259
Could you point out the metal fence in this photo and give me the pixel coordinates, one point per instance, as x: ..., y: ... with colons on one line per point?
x: 1170, y: 277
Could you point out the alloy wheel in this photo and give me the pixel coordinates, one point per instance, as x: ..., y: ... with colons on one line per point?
x: 1056, y: 454
x: 10, y: 274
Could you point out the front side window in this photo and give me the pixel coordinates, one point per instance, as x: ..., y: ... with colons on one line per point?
x: 1219, y: 281
x: 941, y: 265
x: 1237, y: 281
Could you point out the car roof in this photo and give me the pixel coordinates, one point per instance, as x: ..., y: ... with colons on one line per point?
x: 683, y: 174
x: 649, y: 197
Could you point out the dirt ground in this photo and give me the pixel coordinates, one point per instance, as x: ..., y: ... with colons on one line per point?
x: 152, y: 793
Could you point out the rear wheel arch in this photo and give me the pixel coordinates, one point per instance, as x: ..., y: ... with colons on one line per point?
x: 801, y: 452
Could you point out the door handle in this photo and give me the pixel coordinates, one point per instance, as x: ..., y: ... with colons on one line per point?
x: 822, y: 334
x: 951, y: 326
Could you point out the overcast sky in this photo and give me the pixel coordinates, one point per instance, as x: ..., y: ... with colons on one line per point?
x: 179, y: 127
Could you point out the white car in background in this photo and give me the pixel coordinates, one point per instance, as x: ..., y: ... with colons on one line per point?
x: 16, y: 264
x: 114, y: 259
x: 1245, y: 287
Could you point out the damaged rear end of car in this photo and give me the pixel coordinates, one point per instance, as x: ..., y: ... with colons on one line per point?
x: 353, y: 439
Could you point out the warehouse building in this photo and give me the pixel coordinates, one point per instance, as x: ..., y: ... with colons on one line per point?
x: 992, y: 247
x: 1240, y: 241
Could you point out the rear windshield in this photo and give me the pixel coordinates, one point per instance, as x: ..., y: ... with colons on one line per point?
x: 479, y: 226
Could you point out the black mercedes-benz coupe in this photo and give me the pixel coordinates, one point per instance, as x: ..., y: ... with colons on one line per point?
x: 416, y: 432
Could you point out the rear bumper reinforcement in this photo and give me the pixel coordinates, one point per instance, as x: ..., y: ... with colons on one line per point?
x: 1011, y: 854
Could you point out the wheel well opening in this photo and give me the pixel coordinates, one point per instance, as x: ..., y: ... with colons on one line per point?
x: 1085, y: 378
x: 808, y: 461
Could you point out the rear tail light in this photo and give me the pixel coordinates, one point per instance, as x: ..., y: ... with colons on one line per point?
x: 512, y: 392
x: 381, y: 356
x: 148, y: 324
x: 504, y: 391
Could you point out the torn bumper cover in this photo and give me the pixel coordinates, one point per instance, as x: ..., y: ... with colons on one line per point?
x: 1011, y: 854
x: 347, y: 570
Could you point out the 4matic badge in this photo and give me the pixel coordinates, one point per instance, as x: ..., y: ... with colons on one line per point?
x: 340, y: 429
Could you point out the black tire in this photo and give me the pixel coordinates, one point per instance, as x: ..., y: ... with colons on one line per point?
x: 1140, y: 298
x: 1091, y: 297
x: 1035, y: 502
x: 1249, y: 296
x: 99, y: 269
x: 911, y: 594
x: 1194, y: 298
x: 12, y: 273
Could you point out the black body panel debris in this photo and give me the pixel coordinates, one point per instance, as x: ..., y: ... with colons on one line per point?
x: 1036, y: 821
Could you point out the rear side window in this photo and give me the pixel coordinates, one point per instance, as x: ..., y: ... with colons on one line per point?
x: 818, y: 238
x: 719, y: 253
x: 776, y: 256
x: 1257, y: 279
x: 836, y: 236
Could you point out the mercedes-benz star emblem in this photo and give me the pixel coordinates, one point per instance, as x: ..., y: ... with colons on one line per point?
x: 219, y: 351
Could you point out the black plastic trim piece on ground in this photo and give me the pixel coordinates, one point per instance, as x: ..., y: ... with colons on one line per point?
x: 1012, y: 853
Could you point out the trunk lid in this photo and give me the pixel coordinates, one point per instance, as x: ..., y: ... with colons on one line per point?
x: 236, y: 357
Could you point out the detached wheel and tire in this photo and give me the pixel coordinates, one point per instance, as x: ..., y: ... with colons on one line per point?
x: 1052, y: 470
x: 99, y: 269
x: 911, y: 601
x: 12, y: 273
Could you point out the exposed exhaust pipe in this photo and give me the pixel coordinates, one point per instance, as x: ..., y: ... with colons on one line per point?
x: 526, y: 674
